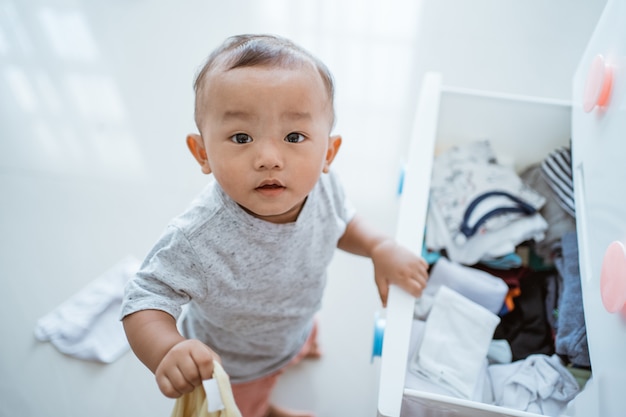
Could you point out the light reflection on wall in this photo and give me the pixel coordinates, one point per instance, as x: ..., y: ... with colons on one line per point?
x: 61, y: 111
x: 22, y: 89
x: 348, y: 34
x: 4, y: 44
x: 68, y: 34
x: 12, y: 22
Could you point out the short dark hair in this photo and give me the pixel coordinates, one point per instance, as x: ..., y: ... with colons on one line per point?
x: 251, y: 50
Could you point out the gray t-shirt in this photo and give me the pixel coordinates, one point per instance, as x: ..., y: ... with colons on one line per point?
x: 252, y: 287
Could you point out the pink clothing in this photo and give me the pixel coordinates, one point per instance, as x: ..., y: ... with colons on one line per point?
x: 253, y: 398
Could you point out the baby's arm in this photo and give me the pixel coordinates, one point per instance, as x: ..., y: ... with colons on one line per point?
x: 393, y: 264
x: 178, y: 364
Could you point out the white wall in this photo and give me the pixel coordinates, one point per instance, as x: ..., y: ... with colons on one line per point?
x: 529, y: 47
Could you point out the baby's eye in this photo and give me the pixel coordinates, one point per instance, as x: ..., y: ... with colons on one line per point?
x: 241, y: 138
x: 294, y: 138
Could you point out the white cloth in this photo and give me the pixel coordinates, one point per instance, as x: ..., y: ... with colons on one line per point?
x: 490, y: 245
x: 499, y: 352
x: 538, y: 384
x: 455, y: 342
x: 460, y: 176
x: 479, y: 286
x: 416, y: 381
x: 87, y: 325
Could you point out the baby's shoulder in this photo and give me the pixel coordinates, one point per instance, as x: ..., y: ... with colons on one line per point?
x: 203, y: 212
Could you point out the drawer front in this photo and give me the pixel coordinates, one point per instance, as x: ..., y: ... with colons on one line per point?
x: 599, y: 159
x: 411, y: 223
x: 522, y: 130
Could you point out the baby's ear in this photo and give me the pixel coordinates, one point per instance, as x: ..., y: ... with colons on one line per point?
x: 196, y: 146
x: 334, y: 143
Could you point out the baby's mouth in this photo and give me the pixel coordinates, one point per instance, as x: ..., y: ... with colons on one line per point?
x: 270, y: 189
x: 270, y: 186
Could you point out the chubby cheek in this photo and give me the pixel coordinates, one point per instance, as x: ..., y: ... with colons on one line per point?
x: 307, y: 176
x: 231, y: 182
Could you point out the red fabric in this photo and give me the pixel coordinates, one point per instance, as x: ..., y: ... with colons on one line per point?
x: 252, y: 398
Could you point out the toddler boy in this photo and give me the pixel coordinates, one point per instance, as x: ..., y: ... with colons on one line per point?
x: 249, y: 256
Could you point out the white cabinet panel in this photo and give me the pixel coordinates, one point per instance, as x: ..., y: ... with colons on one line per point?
x: 599, y: 152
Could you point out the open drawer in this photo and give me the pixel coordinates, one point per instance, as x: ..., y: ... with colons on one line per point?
x: 522, y: 131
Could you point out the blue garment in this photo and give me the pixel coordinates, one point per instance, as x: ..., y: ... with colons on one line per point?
x: 571, y: 335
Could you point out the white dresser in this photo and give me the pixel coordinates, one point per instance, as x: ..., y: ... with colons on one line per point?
x: 523, y: 130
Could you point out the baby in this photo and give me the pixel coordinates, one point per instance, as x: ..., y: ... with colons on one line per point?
x: 249, y: 256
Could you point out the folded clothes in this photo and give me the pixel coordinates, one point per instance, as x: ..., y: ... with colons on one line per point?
x: 416, y: 381
x: 479, y: 209
x: 87, y: 325
x: 559, y: 220
x: 479, y: 286
x: 557, y: 169
x: 456, y: 339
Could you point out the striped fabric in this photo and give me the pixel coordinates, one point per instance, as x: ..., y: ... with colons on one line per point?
x: 557, y: 170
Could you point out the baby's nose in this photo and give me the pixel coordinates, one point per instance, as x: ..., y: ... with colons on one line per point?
x: 269, y: 156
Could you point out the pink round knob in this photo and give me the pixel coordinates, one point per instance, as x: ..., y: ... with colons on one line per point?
x: 613, y: 278
x: 598, y: 86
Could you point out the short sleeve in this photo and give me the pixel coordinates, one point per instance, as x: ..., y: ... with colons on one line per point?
x: 169, y: 277
x: 345, y: 208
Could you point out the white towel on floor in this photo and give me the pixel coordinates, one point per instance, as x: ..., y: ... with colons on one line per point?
x: 455, y: 342
x: 87, y: 325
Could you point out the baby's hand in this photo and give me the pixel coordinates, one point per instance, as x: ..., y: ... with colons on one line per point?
x: 184, y: 367
x: 394, y: 264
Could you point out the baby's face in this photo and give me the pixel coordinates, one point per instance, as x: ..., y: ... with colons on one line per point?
x: 266, y: 133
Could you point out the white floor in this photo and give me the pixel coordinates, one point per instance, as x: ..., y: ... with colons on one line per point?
x: 95, y: 102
